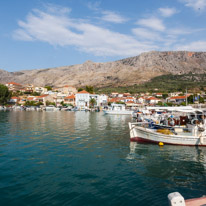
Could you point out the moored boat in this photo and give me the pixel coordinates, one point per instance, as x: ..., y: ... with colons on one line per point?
x: 118, y: 109
x: 52, y: 108
x: 177, y: 135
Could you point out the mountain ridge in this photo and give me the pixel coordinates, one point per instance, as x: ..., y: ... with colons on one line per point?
x: 124, y: 72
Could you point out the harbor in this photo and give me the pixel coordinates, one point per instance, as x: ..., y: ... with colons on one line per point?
x: 103, y: 103
x: 73, y: 158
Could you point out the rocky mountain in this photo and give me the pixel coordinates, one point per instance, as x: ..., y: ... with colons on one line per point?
x: 125, y: 72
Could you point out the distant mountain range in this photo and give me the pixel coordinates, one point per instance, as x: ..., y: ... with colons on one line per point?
x: 125, y: 72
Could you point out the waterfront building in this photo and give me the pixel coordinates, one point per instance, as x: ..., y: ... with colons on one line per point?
x: 59, y: 98
x: 177, y: 99
x: 82, y: 99
x: 14, y: 100
x: 70, y: 100
x: 22, y: 100
x: 103, y: 99
x: 44, y: 98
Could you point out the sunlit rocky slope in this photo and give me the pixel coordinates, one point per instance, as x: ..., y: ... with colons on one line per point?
x: 125, y: 72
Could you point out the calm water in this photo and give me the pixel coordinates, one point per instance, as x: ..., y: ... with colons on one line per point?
x: 67, y: 158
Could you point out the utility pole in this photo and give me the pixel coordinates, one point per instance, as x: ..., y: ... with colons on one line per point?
x: 186, y: 96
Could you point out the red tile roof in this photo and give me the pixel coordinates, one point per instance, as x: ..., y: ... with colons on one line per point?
x: 83, y: 92
x: 14, y: 97
x: 178, y: 97
x: 70, y: 97
x: 117, y: 99
x: 14, y: 83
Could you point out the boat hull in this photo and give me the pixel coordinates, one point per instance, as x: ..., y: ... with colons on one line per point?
x: 144, y: 135
x: 118, y: 112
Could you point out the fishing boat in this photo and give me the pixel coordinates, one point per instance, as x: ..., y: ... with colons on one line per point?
x: 174, y: 135
x: 117, y: 109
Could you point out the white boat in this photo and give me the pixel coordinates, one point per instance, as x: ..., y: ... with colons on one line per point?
x: 52, y: 108
x: 117, y: 109
x: 2, y: 108
x: 143, y: 132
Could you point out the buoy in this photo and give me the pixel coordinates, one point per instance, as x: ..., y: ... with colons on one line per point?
x: 161, y: 144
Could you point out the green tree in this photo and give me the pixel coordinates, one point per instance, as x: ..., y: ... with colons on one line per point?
x: 39, y: 103
x: 80, y: 89
x: 160, y: 103
x: 92, y: 102
x: 50, y: 103
x: 35, y: 94
x: 5, y: 94
x: 90, y: 89
x: 30, y: 103
x: 48, y: 87
x: 193, y: 98
x: 164, y: 96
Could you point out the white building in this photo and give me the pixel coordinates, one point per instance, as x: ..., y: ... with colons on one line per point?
x: 60, y: 98
x: 40, y: 90
x: 103, y: 99
x: 82, y: 99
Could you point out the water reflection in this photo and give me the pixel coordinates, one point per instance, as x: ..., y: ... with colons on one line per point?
x: 179, y: 166
x: 80, y: 158
x: 181, y: 153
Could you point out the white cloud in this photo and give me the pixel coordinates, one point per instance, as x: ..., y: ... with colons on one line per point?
x: 197, y: 5
x: 145, y: 34
x: 167, y: 12
x: 94, y: 5
x: 153, y: 23
x: 111, y: 16
x: 22, y: 35
x: 61, y: 30
x: 194, y: 46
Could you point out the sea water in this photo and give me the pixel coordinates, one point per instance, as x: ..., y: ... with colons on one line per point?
x: 82, y: 158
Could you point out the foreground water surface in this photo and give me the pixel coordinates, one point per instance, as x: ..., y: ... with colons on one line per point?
x: 80, y: 158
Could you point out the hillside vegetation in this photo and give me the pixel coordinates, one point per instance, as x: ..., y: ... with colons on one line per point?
x: 164, y: 83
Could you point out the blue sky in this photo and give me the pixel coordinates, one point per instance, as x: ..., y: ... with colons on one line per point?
x: 41, y: 34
